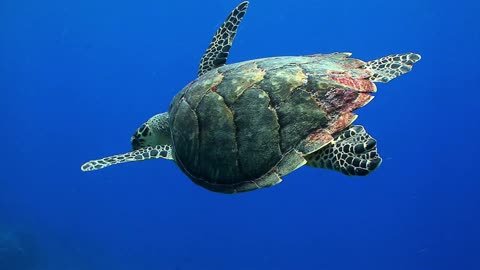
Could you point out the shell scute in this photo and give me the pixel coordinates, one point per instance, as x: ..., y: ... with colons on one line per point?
x: 257, y: 133
x: 298, y: 117
x: 195, y: 91
x: 236, y: 81
x: 279, y: 83
x: 218, y: 150
x: 186, y: 143
x: 281, y: 62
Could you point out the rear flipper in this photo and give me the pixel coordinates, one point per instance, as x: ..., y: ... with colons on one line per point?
x: 392, y: 66
x: 353, y: 152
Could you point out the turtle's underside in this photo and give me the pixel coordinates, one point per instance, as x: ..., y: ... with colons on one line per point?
x: 243, y: 126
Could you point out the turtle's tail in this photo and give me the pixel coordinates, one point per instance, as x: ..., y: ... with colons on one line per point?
x: 392, y: 66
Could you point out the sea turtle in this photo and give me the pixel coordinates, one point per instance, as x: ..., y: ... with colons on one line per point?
x: 243, y: 126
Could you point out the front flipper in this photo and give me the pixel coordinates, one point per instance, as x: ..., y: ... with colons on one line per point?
x: 353, y: 152
x: 217, y: 53
x: 159, y: 151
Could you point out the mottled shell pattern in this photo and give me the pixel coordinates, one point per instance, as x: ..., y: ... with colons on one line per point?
x: 236, y: 123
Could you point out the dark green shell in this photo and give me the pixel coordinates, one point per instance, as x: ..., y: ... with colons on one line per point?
x: 235, y: 124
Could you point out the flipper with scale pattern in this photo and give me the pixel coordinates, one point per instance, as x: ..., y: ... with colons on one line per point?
x: 353, y: 152
x: 217, y: 53
x: 159, y: 151
x: 389, y: 67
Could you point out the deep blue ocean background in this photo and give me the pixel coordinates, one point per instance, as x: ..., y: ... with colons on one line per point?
x: 78, y: 77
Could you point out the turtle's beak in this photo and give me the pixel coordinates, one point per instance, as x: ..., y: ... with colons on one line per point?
x: 136, y: 142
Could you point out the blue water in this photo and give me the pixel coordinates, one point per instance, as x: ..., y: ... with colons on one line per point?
x: 78, y: 77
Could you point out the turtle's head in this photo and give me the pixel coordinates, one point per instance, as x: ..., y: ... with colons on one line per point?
x: 154, y: 134
x: 156, y: 131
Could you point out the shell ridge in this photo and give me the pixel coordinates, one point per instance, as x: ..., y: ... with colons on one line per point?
x: 237, y: 141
